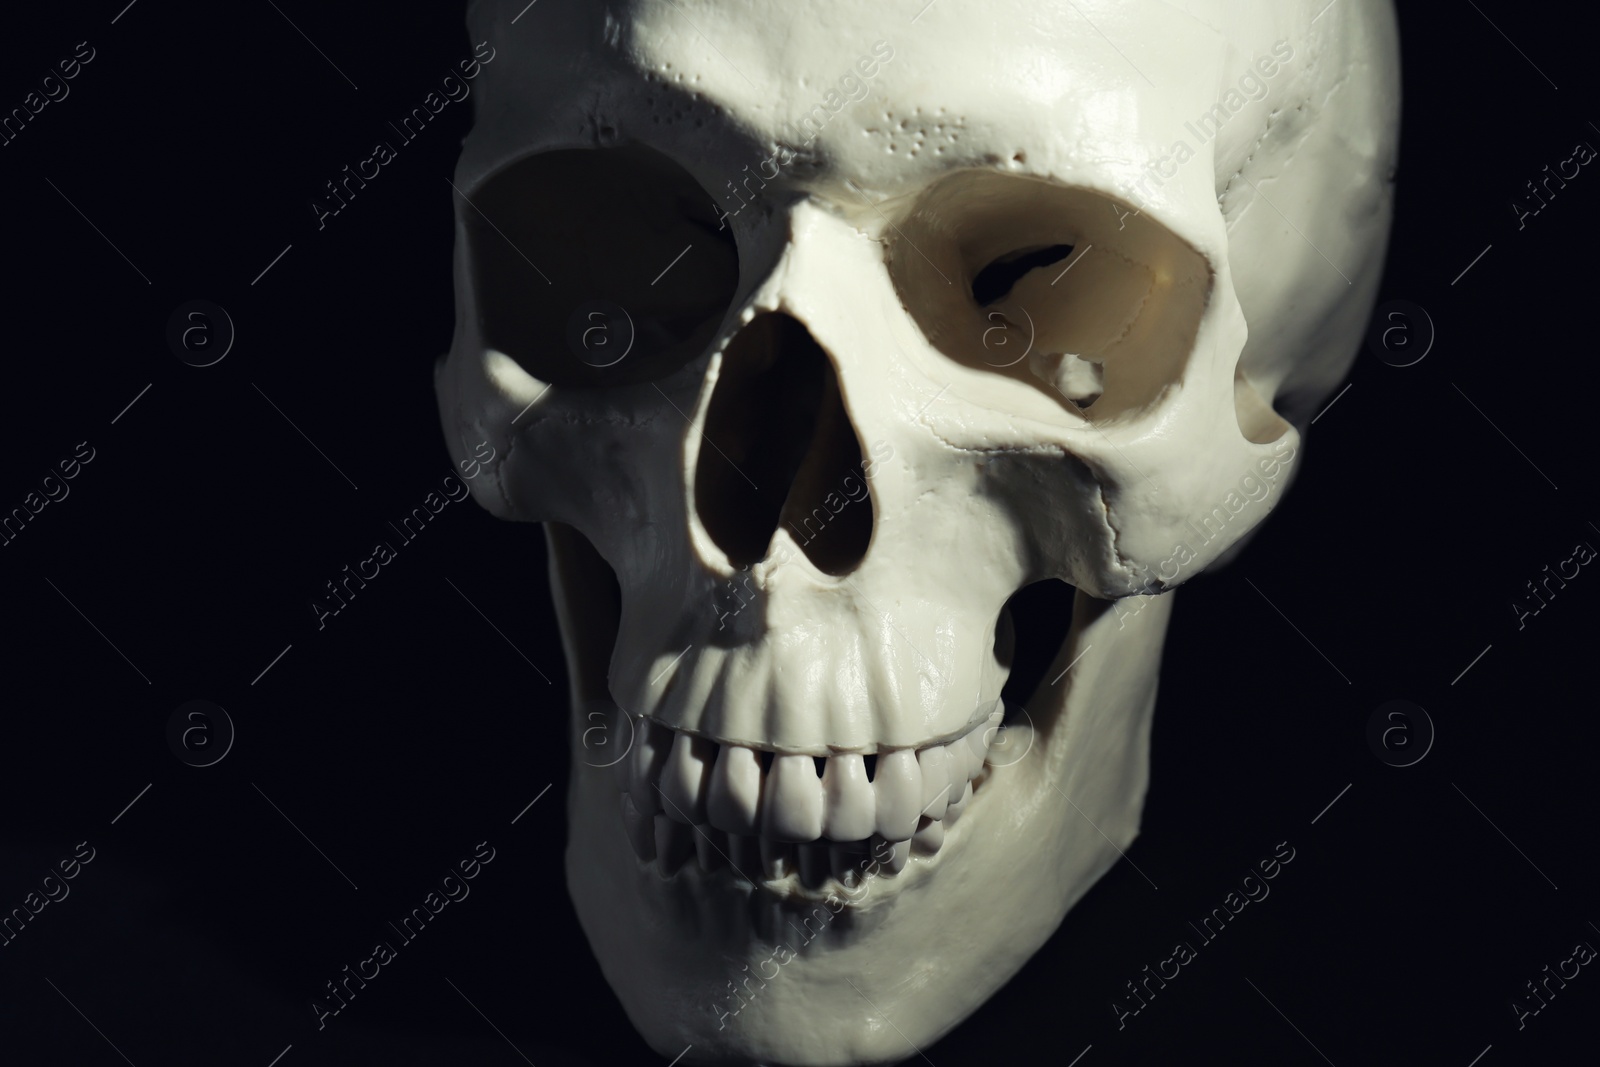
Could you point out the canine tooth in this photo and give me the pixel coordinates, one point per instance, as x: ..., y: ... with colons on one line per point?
x: 897, y: 789
x: 640, y: 830
x: 674, y: 843
x: 928, y: 837
x: 733, y: 799
x: 775, y: 858
x: 934, y: 763
x: 710, y: 847
x: 958, y: 805
x: 792, y: 808
x: 683, y: 779
x: 812, y: 860
x: 651, y: 746
x: 848, y: 800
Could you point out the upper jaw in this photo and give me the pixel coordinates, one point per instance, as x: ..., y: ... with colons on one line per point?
x: 811, y: 671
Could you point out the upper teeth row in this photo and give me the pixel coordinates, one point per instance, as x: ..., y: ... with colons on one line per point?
x: 696, y: 781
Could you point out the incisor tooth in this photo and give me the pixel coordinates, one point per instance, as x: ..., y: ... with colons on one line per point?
x: 733, y: 800
x: 812, y: 860
x: 897, y: 789
x: 934, y: 762
x: 850, y: 863
x: 792, y: 806
x: 683, y: 779
x: 847, y: 799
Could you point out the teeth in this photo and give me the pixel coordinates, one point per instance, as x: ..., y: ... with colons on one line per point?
x: 734, y: 796
x: 710, y: 847
x: 957, y: 806
x: 775, y: 856
x: 980, y: 741
x: 641, y: 832
x: 849, y: 863
x: 897, y: 789
x: 793, y: 800
x: 896, y: 861
x: 959, y: 761
x: 690, y: 798
x: 674, y: 843
x: 683, y: 780
x: 848, y: 795
x: 744, y: 852
x: 620, y: 726
x: 934, y: 762
x: 813, y: 863
x: 650, y: 749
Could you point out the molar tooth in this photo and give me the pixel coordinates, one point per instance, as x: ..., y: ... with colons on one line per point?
x: 996, y: 744
x: 733, y: 800
x: 622, y: 769
x: 928, y: 837
x: 792, y: 808
x: 897, y: 789
x: 958, y: 806
x: 934, y: 763
x: 640, y: 830
x: 651, y: 746
x: 683, y: 779
x: 977, y: 745
x: 775, y: 859
x: 674, y: 844
x: 848, y: 808
x: 710, y: 847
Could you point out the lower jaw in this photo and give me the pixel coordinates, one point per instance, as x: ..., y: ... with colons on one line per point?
x: 873, y: 974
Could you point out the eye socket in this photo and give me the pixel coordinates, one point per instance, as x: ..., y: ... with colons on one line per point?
x: 1072, y: 293
x: 598, y: 267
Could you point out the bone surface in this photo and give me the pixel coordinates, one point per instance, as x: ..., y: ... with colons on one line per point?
x: 814, y: 334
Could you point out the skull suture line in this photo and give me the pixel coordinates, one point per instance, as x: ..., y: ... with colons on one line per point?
x: 979, y: 326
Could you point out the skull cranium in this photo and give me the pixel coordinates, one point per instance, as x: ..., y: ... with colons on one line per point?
x: 815, y: 334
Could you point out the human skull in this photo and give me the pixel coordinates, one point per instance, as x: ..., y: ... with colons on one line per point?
x: 815, y: 333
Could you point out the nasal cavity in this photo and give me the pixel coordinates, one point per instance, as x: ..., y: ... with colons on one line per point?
x: 779, y: 448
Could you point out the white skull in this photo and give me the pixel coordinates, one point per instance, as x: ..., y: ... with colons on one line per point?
x: 837, y: 445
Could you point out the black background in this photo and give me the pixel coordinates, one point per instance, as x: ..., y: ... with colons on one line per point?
x: 408, y: 729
